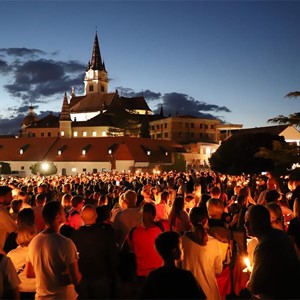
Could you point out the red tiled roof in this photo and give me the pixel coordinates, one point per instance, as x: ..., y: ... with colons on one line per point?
x: 124, y: 148
x: 90, y: 102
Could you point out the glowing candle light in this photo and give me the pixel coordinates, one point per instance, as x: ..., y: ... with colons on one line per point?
x: 248, y: 265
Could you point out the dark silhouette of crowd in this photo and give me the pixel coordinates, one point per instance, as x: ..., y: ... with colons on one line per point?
x: 171, y: 235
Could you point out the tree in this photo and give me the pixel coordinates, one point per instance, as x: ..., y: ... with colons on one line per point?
x: 43, y: 168
x: 179, y: 164
x: 238, y: 154
x: 292, y: 119
x: 5, y: 168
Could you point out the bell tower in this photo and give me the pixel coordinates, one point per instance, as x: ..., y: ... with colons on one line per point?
x: 95, y: 80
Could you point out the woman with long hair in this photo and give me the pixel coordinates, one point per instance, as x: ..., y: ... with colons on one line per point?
x: 178, y: 218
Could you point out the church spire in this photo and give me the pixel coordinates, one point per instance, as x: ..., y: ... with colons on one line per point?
x: 96, y: 62
x: 65, y: 110
x: 161, y: 113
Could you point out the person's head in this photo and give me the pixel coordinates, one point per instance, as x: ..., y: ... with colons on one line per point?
x: 215, y: 192
x: 164, y: 196
x: 276, y: 216
x: 103, y: 200
x: 89, y: 214
x: 40, y: 199
x: 77, y: 202
x: 168, y: 245
x: 257, y: 221
x: 16, y: 205
x: 66, y: 200
x: 178, y: 205
x: 53, y: 212
x: 103, y: 214
x: 148, y: 214
x: 25, y: 216
x: 199, y: 215
x: 237, y: 189
x: 26, y: 233
x: 189, y: 201
x: 197, y: 188
x: 215, y: 208
x: 272, y: 196
x: 130, y: 198
x: 5, y: 195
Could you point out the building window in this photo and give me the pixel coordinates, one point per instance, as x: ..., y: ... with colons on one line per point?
x: 102, y: 88
x: 62, y: 133
x: 84, y: 170
x: 94, y: 133
x: 157, y: 126
x: 91, y: 88
x: 166, y: 125
x: 104, y: 133
x: 42, y: 134
x: 95, y: 170
x: 84, y: 133
x: 206, y: 126
x: 33, y: 134
x: 49, y: 134
x: 192, y: 125
x: 212, y: 126
x: 74, y: 170
x: 75, y: 134
x: 201, y: 126
x: 22, y: 168
x: 186, y: 125
x: 166, y: 134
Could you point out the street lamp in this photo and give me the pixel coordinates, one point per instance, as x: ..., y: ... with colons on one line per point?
x: 45, y: 166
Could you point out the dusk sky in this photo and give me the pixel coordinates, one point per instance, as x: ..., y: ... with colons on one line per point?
x: 235, y: 60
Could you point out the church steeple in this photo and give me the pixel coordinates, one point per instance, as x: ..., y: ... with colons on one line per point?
x: 96, y: 62
x: 65, y: 110
x: 65, y: 122
x: 96, y: 80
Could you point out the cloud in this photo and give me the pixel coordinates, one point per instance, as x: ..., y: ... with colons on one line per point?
x: 148, y: 95
x: 4, y: 66
x: 21, y: 52
x: 183, y: 104
x: 174, y: 103
x: 34, y: 79
x: 11, y: 126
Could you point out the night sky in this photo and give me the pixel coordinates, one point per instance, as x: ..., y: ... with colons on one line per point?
x: 235, y: 60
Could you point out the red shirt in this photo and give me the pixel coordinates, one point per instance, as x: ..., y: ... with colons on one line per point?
x: 142, y: 242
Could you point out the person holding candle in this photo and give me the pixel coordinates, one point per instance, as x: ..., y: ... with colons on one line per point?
x: 276, y: 268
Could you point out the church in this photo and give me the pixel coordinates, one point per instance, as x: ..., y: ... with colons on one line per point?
x: 98, y: 113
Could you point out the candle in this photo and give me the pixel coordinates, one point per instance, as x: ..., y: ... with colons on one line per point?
x: 248, y: 265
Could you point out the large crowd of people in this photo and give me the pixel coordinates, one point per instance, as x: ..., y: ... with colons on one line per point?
x: 175, y: 235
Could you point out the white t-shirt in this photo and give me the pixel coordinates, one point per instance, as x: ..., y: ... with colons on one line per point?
x: 18, y: 257
x: 50, y: 254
